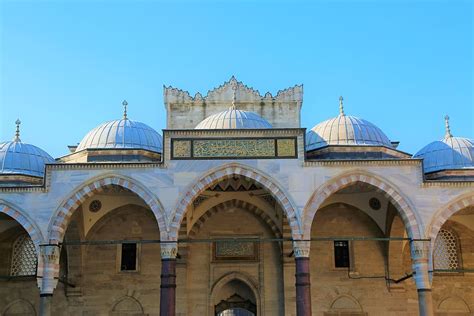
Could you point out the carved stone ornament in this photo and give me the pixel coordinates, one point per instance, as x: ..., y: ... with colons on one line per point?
x: 50, y: 253
x: 420, y: 249
x: 169, y: 250
x: 301, y: 248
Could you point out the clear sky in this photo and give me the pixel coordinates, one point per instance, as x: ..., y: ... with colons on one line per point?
x: 66, y: 66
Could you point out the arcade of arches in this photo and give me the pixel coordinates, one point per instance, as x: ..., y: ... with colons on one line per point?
x: 234, y: 256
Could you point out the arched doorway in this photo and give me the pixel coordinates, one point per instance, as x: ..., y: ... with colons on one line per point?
x: 235, y: 298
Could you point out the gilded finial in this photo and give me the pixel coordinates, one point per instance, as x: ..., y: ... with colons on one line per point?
x: 124, y: 103
x: 17, y: 132
x: 234, y: 97
x: 341, y: 105
x: 448, y: 129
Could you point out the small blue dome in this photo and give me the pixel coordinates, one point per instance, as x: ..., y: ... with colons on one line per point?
x: 122, y: 134
x: 345, y: 130
x: 448, y: 153
x: 24, y: 159
x: 234, y: 119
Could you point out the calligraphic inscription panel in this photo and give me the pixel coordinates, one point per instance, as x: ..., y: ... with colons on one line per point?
x: 210, y: 148
x: 235, y: 250
x: 238, y: 148
x: 181, y: 148
x: 286, y: 147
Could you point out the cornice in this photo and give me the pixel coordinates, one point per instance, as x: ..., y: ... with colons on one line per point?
x: 359, y: 162
x: 233, y: 132
x: 246, y: 93
x: 448, y: 183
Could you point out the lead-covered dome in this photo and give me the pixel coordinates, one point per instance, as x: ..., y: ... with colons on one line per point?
x: 234, y: 119
x: 122, y: 134
x: 17, y: 158
x: 447, y: 154
x: 345, y: 130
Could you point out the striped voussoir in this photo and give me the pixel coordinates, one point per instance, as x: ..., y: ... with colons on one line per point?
x: 238, y: 204
x: 445, y: 213
x: 318, y: 198
x: 63, y: 216
x: 226, y: 172
x: 32, y: 231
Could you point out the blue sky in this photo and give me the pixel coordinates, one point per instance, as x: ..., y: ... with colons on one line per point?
x: 66, y: 66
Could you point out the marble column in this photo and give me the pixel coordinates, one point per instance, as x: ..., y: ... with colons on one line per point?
x: 169, y: 251
x: 420, y: 254
x: 303, y: 282
x: 47, y: 276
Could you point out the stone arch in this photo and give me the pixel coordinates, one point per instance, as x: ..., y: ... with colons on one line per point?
x: 127, y: 305
x: 346, y: 303
x: 445, y: 212
x: 19, y: 307
x: 25, y: 221
x: 402, y: 203
x: 453, y: 304
x: 240, y: 276
x: 240, y: 204
x: 60, y: 221
x: 226, y: 171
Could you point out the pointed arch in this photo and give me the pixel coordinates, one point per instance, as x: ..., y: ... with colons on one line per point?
x: 445, y: 212
x: 403, y: 205
x: 59, y: 222
x: 239, y: 204
x: 226, y: 171
x: 25, y: 221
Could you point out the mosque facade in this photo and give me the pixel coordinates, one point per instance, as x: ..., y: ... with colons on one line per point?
x: 236, y: 210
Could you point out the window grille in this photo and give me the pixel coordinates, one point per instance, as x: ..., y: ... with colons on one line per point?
x: 23, y: 256
x: 446, y: 251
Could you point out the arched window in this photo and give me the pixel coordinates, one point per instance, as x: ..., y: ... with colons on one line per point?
x: 446, y: 251
x: 23, y: 256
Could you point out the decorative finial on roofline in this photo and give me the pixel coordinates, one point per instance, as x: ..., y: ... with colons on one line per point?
x: 341, y: 106
x: 234, y: 96
x: 448, y: 129
x: 124, y: 103
x: 17, y: 132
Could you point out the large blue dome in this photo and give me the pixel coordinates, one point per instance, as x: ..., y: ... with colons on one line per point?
x: 22, y: 159
x: 345, y: 130
x: 122, y: 134
x: 447, y: 154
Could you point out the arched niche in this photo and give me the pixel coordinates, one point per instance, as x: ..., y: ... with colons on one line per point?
x: 127, y: 306
x: 19, y: 308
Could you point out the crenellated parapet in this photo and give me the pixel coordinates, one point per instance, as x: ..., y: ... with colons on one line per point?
x: 186, y: 111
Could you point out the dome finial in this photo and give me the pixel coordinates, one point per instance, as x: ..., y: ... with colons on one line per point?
x: 448, y: 129
x: 17, y: 132
x: 124, y: 103
x: 341, y: 105
x: 234, y: 96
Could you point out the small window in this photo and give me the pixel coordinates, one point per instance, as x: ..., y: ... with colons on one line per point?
x: 446, y: 251
x: 129, y: 257
x: 341, y: 254
x: 23, y: 257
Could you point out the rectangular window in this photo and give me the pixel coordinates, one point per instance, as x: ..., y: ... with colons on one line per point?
x: 128, y: 261
x: 341, y: 254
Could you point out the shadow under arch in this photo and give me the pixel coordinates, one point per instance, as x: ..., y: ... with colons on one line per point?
x: 403, y: 205
x: 61, y: 218
x: 25, y: 221
x: 231, y: 276
x: 226, y: 171
x: 247, y: 206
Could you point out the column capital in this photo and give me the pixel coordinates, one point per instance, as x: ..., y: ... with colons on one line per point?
x: 169, y: 249
x: 420, y: 254
x: 301, y: 248
x: 48, y: 268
